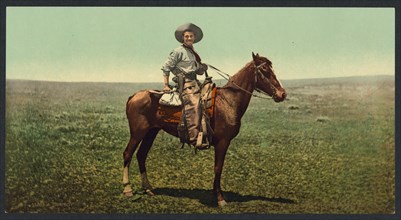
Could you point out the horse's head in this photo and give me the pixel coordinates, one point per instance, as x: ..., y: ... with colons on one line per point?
x: 266, y: 79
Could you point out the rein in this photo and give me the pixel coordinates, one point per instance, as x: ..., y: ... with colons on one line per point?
x: 257, y: 71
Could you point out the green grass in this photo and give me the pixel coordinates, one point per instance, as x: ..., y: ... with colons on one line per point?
x: 328, y: 149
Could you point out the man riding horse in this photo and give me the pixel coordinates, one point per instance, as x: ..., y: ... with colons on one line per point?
x: 185, y: 63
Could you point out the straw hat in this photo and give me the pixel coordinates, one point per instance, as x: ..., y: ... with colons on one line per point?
x: 188, y: 27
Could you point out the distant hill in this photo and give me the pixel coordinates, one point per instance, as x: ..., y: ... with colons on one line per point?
x: 378, y: 79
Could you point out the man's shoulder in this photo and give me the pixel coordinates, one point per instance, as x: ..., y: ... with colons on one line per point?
x: 180, y: 49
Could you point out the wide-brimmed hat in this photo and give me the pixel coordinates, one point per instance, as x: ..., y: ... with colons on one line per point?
x: 188, y: 27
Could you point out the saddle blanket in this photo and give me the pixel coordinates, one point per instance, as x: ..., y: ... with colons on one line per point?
x: 170, y: 99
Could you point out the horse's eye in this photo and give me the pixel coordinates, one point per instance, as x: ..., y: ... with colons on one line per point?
x: 264, y: 68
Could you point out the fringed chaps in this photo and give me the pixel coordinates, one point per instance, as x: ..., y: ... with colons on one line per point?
x: 191, y: 112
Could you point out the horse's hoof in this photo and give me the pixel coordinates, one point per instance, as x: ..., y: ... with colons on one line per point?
x: 149, y: 192
x: 222, y: 203
x: 128, y: 194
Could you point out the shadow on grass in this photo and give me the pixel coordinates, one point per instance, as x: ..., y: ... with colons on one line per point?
x: 206, y: 197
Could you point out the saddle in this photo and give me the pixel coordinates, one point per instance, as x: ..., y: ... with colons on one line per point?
x: 171, y: 112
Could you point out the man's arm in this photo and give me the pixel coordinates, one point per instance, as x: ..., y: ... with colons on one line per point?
x: 166, y: 85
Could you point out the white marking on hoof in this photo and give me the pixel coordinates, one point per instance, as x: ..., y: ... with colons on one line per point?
x: 128, y: 194
x: 128, y: 190
x: 222, y: 203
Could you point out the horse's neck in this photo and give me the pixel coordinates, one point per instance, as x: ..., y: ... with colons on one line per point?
x: 234, y: 89
x: 244, y: 79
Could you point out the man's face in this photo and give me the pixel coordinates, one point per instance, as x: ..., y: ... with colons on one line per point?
x: 189, y: 38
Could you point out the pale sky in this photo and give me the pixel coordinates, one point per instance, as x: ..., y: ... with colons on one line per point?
x: 130, y: 44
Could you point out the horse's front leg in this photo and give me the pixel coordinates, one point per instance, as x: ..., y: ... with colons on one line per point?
x: 219, y: 156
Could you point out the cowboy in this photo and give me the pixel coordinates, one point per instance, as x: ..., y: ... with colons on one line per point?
x: 185, y: 63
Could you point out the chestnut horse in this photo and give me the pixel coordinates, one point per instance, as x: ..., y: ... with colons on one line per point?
x: 231, y: 102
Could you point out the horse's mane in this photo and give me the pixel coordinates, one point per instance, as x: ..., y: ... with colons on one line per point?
x: 240, y: 73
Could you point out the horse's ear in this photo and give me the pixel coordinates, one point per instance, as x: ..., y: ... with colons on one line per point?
x: 253, y: 56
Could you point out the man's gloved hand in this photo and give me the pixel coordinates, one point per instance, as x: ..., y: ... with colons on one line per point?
x: 204, y: 66
x: 202, y: 69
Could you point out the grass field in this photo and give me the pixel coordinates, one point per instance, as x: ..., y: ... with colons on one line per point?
x: 329, y: 149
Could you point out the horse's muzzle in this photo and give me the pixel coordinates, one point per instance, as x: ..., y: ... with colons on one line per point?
x: 280, y: 96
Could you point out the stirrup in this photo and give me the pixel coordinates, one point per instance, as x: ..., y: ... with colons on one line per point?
x: 199, y: 142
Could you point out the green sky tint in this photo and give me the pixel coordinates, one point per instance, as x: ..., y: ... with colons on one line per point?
x: 129, y: 44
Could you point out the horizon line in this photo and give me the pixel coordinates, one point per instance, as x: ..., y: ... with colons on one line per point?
x: 220, y: 79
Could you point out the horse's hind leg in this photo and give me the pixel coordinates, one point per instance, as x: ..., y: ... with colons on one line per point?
x: 141, y: 157
x: 127, y: 155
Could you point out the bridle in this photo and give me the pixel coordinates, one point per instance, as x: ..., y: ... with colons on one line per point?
x: 258, y: 72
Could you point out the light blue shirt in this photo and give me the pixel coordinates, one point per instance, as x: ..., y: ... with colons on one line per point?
x: 180, y: 60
